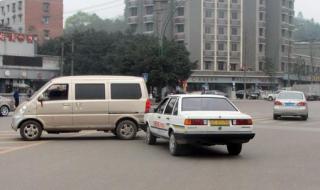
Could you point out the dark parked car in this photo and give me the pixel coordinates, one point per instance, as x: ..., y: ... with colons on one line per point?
x: 249, y: 94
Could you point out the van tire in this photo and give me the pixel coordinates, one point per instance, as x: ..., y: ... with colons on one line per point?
x: 31, y: 130
x: 126, y: 130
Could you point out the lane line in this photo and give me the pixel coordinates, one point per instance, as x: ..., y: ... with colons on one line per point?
x: 23, y: 147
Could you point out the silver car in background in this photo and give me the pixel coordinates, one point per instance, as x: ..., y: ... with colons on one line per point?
x: 6, y: 105
x: 290, y: 103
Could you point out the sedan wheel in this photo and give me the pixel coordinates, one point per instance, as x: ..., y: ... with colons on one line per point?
x: 150, y: 138
x: 234, y: 149
x: 174, y: 147
x: 4, y: 111
x: 30, y: 130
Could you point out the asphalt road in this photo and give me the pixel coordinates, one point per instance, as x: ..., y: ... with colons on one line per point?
x: 285, y: 155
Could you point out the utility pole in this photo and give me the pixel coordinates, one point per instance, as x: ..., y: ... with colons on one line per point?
x: 289, y: 64
x: 62, y: 59
x: 72, y: 59
x: 311, y: 60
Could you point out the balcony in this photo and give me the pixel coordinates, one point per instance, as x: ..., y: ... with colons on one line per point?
x: 222, y: 54
x: 222, y: 22
x: 235, y: 54
x: 209, y: 37
x: 262, y: 24
x: 235, y: 38
x: 235, y: 22
x: 262, y: 40
x: 209, y: 21
x: 133, y: 20
x: 148, y: 19
x: 222, y: 38
x: 235, y: 6
x: 132, y: 3
x: 209, y: 5
x: 148, y: 2
x: 179, y: 20
x: 179, y: 36
x: 222, y: 6
x: 208, y: 53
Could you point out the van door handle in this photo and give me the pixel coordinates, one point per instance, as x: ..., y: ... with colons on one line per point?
x: 66, y: 104
x: 159, y: 117
x: 168, y: 118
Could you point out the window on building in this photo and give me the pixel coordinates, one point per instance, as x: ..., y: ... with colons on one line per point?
x: 20, y: 5
x: 209, y: 13
x: 149, y: 27
x: 20, y: 30
x: 2, y: 21
x: 290, y: 19
x: 283, y: 48
x: 234, y: 15
x: 20, y: 18
x: 208, y: 30
x: 208, y: 65
x: 46, y: 7
x: 134, y: 11
x: 221, y: 14
x: 90, y: 91
x: 283, y: 17
x: 283, y: 32
x: 235, y: 1
x: 261, y: 66
x: 8, y: 21
x: 234, y: 47
x: 208, y: 46
x: 221, y: 1
x: 149, y: 10
x: 234, y: 31
x: 283, y: 66
x: 283, y: 2
x: 261, y: 16
x: 290, y: 4
x: 290, y: 34
x: 14, y: 19
x: 13, y: 7
x: 221, y: 46
x: 45, y: 19
x: 260, y: 48
x: 221, y: 30
x: 2, y: 10
x: 221, y: 65
x: 8, y: 8
x: 125, y: 91
x: 233, y: 67
x: 180, y: 28
x: 46, y: 33
x: 261, y: 32
x: 180, y: 11
x: 261, y: 2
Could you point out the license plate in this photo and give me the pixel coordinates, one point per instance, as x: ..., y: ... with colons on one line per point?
x: 220, y: 123
x: 289, y: 104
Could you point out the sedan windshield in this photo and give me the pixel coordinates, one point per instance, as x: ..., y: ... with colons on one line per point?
x: 290, y: 95
x: 206, y: 104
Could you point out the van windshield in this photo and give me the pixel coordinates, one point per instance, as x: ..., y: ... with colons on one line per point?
x: 35, y: 94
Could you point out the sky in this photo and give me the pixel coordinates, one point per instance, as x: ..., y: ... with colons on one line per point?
x: 115, y: 8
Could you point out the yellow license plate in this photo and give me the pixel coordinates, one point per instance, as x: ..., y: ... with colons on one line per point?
x: 220, y: 122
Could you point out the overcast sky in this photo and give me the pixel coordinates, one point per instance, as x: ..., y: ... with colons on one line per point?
x: 115, y: 8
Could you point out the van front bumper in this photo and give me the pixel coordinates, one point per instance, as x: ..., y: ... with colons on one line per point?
x: 211, y: 139
x: 16, y: 120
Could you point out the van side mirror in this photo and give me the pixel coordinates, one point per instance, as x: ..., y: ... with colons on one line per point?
x: 41, y: 98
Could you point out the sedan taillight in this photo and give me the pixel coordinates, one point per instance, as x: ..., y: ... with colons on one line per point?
x: 242, y: 122
x: 195, y: 122
x: 302, y: 104
x: 277, y: 103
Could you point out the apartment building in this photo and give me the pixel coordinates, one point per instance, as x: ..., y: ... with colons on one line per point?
x: 42, y: 18
x: 234, y: 42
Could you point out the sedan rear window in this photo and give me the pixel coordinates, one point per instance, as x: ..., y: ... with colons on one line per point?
x: 206, y: 104
x: 290, y: 96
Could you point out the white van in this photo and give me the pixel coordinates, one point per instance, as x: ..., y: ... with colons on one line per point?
x: 71, y: 104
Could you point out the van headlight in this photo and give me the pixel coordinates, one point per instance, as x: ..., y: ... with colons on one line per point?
x: 23, y: 109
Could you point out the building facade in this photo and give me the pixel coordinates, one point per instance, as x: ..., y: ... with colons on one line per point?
x: 236, y: 43
x: 20, y: 65
x: 42, y: 18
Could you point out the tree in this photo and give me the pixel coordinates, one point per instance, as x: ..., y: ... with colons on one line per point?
x: 84, y: 21
x: 100, y: 52
x: 306, y: 30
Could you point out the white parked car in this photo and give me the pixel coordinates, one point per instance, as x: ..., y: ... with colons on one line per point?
x: 199, y: 119
x: 273, y: 96
x: 290, y: 103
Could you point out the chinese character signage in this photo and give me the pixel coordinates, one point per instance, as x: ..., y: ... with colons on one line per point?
x: 14, y: 37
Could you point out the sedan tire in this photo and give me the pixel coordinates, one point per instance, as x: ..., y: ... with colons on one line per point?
x: 150, y: 138
x: 174, y: 147
x: 4, y: 111
x: 234, y: 149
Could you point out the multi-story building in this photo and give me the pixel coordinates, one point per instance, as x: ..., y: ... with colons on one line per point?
x: 234, y: 42
x: 43, y: 18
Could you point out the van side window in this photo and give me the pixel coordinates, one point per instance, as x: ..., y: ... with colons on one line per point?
x: 90, y: 92
x: 169, y: 107
x: 120, y: 91
x: 56, y: 92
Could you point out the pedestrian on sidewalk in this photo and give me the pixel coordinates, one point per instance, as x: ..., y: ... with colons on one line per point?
x: 16, y: 97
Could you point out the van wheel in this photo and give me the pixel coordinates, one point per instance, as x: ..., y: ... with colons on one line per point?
x: 114, y: 131
x: 30, y: 131
x: 234, y: 149
x: 150, y: 138
x: 126, y: 130
x: 4, y: 111
x: 174, y: 147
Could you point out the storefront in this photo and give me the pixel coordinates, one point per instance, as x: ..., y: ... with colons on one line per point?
x: 21, y: 67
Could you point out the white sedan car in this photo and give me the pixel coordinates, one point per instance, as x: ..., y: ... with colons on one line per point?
x: 199, y: 119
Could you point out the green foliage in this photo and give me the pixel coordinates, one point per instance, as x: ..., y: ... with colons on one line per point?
x: 84, y: 21
x: 306, y: 30
x: 100, y: 52
x: 269, y: 67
